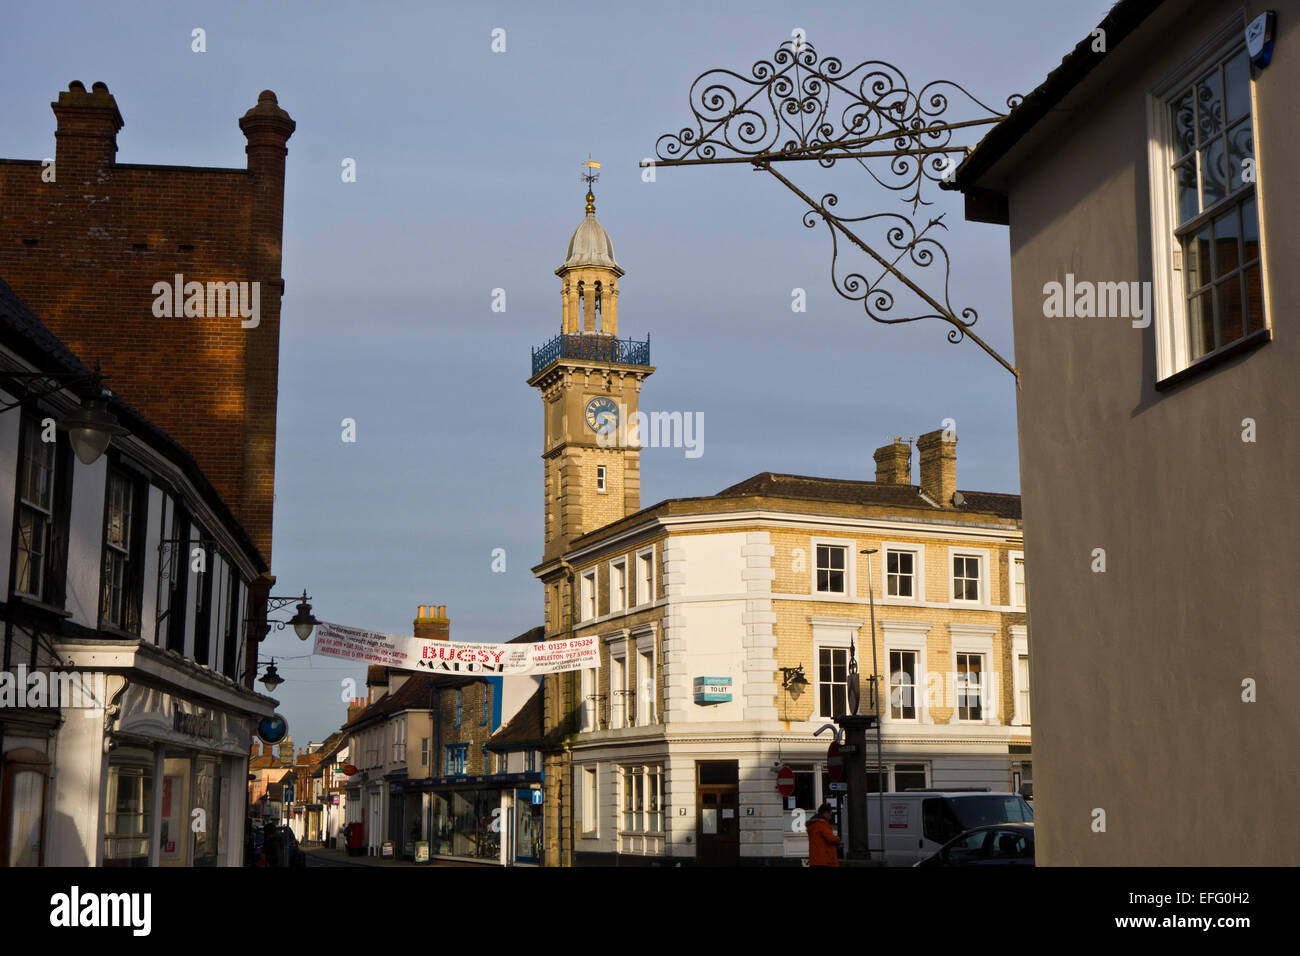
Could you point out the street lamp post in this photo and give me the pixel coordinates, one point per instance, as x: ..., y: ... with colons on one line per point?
x: 877, y: 699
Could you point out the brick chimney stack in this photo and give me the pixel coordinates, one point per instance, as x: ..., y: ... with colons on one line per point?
x: 267, y: 128
x: 431, y: 622
x: 938, y: 467
x: 894, y: 463
x: 355, y: 706
x: 86, y: 134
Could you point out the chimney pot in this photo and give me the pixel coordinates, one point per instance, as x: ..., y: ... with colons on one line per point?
x: 99, y: 86
x: 76, y: 86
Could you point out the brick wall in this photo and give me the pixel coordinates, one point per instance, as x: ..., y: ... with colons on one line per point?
x: 85, y: 250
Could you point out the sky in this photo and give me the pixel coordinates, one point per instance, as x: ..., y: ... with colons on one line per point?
x: 467, y: 181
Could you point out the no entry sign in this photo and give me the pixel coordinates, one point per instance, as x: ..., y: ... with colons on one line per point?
x: 834, y: 762
x: 785, y: 781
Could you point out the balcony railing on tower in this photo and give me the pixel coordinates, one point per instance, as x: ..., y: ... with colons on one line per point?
x: 594, y: 347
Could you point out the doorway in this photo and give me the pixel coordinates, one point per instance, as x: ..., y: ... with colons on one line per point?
x: 717, y: 821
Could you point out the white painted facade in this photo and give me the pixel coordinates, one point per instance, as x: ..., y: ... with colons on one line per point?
x: 169, y: 736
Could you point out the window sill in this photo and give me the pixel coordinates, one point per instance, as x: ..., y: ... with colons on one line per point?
x: 1214, y: 359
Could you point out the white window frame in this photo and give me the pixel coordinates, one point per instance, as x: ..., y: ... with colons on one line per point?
x: 617, y: 600
x: 831, y: 633
x: 646, y: 696
x: 850, y: 565
x: 399, y: 741
x: 1169, y: 313
x: 1019, y: 649
x: 588, y: 595
x: 1012, y: 558
x: 590, y: 800
x: 602, y: 480
x: 588, y: 685
x: 955, y: 551
x: 618, y: 710
x: 976, y: 639
x: 907, y: 636
x: 648, y: 582
x: 918, y: 570
x: 652, y: 778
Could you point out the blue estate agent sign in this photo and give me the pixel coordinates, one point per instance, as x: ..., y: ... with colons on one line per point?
x: 712, y: 690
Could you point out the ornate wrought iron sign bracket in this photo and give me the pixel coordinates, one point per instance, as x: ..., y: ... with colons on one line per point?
x: 797, y: 107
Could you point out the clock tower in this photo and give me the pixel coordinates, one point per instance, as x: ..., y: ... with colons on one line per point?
x: 589, y: 380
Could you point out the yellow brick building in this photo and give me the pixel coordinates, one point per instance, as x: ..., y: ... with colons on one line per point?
x: 725, y: 623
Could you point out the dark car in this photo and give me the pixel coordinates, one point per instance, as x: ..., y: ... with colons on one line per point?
x: 997, y: 844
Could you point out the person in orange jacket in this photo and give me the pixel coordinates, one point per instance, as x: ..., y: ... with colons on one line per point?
x: 822, y: 840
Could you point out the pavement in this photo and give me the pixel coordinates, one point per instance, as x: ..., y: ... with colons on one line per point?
x: 325, y: 856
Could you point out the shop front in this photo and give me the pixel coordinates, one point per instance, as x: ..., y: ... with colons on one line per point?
x: 172, y: 773
x: 176, y: 773
x: 487, y: 819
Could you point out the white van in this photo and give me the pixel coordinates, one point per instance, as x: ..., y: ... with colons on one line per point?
x: 917, y: 823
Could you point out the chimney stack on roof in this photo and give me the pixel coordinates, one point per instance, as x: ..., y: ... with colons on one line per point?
x: 86, y: 128
x: 894, y: 463
x: 432, y: 624
x: 938, y: 467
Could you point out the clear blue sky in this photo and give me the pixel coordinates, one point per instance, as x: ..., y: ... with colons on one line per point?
x: 467, y: 181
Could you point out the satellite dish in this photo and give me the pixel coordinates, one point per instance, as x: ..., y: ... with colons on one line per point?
x: 958, y: 499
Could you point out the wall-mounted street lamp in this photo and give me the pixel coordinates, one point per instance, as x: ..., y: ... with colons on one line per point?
x: 793, y: 679
x: 271, y: 679
x: 92, y: 427
x: 303, y: 622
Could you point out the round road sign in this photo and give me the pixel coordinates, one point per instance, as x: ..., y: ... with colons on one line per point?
x: 785, y: 781
x: 834, y: 762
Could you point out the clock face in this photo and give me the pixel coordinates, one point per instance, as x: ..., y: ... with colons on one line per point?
x: 602, y: 415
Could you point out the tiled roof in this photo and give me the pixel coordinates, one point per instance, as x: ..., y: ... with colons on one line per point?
x: 25, y: 334
x: 415, y: 693
x: 523, y: 728
x: 531, y: 636
x: 770, y: 484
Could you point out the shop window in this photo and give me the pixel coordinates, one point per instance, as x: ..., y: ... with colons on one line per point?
x: 207, y: 797
x: 128, y: 821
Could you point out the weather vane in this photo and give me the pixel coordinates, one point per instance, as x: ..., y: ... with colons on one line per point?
x: 590, y: 176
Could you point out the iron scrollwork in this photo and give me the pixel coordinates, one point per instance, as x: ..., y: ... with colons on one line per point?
x: 799, y: 107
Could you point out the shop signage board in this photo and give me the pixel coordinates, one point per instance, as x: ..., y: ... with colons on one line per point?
x: 712, y: 690
x: 156, y: 714
x: 455, y: 657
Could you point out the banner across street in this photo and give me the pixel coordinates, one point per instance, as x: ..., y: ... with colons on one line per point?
x: 455, y: 657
